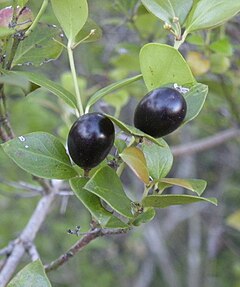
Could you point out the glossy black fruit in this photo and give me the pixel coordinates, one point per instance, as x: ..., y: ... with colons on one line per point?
x: 160, y: 112
x: 90, y: 140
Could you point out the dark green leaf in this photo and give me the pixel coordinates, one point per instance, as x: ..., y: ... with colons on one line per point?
x: 31, y: 275
x: 159, y: 159
x: 51, y: 86
x: 162, y: 64
x: 209, y: 14
x: 195, y: 100
x: 135, y: 159
x: 93, y: 204
x: 135, y: 132
x: 147, y: 215
x: 103, y: 92
x: 107, y: 185
x: 39, y: 47
x: 40, y: 154
x: 196, y: 185
x: 71, y: 14
x: 162, y: 201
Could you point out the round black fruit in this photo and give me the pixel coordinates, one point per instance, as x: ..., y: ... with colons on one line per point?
x: 90, y: 140
x: 160, y: 112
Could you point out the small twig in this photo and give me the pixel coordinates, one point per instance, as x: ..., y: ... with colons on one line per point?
x: 79, y: 245
x: 32, y: 251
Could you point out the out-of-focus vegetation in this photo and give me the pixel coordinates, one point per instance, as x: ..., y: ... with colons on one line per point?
x: 195, y: 245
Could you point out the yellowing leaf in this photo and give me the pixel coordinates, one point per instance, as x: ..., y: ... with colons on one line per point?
x: 233, y: 220
x: 135, y: 159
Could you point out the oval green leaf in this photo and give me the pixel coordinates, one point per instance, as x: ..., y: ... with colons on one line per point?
x: 162, y: 201
x: 135, y: 159
x: 71, y: 14
x: 195, y: 100
x: 135, y: 132
x: 31, y: 275
x: 106, y: 184
x: 159, y: 159
x: 166, y: 10
x: 195, y: 185
x: 39, y: 47
x: 162, y: 64
x: 209, y: 14
x: 93, y: 204
x: 40, y: 154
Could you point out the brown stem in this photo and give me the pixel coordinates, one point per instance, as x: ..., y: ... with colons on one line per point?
x: 79, y: 245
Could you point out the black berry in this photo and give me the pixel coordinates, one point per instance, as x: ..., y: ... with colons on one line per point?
x: 90, y: 140
x: 160, y: 112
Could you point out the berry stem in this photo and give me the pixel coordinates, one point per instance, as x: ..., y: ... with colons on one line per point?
x: 74, y: 75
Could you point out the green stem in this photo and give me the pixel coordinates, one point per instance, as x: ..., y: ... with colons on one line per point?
x: 178, y: 43
x: 15, y: 44
x: 74, y: 75
x: 36, y: 20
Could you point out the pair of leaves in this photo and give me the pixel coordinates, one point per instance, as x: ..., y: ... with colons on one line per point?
x: 194, y: 15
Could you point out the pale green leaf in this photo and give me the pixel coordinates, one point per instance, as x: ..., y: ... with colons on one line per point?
x: 209, y: 14
x: 166, y: 10
x: 162, y: 64
x: 159, y: 159
x: 71, y: 14
x: 31, y: 275
x: 195, y: 185
x: 162, y: 201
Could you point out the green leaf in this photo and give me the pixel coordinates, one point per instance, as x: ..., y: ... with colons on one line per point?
x: 135, y: 132
x: 147, y: 215
x: 90, y: 32
x: 103, y: 92
x: 40, y: 154
x: 16, y: 80
x: 51, y: 86
x: 196, y: 185
x: 39, y: 47
x: 106, y: 184
x: 166, y: 10
x: 209, y: 14
x: 31, y: 275
x: 135, y: 159
x: 159, y: 159
x: 162, y: 64
x: 195, y: 100
x: 71, y: 14
x: 94, y: 206
x: 162, y: 201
